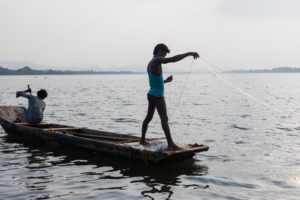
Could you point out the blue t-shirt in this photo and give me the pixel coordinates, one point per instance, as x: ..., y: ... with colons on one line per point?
x: 156, y: 83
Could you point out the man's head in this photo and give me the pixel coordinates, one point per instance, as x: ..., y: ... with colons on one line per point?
x: 42, y: 94
x: 161, y: 50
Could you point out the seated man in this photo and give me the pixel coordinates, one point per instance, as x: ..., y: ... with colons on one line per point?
x: 36, y: 105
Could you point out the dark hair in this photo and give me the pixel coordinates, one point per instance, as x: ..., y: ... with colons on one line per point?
x: 161, y: 47
x: 42, y: 94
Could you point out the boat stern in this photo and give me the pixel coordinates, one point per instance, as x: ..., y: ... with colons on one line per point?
x: 13, y: 113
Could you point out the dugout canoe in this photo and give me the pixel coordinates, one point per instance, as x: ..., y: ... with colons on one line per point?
x: 101, y: 141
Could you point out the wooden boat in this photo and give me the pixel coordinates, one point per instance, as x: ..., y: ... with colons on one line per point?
x: 101, y: 141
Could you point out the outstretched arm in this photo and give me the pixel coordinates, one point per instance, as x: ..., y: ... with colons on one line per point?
x: 23, y: 94
x: 177, y: 57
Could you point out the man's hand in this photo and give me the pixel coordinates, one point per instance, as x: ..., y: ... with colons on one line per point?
x: 169, y: 79
x: 195, y: 55
x: 28, y: 90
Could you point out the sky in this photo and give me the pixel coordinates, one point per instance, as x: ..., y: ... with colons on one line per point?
x: 231, y: 34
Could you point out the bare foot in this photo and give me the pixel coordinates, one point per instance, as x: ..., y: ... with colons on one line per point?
x: 144, y: 143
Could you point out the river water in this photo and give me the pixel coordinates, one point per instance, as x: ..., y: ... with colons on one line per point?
x: 254, y: 147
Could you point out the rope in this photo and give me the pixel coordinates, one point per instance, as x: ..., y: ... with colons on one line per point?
x: 210, y: 67
x: 179, y: 101
x: 237, y: 88
x: 185, y: 83
x: 228, y: 83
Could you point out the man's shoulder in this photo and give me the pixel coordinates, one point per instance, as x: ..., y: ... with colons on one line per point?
x: 155, y: 61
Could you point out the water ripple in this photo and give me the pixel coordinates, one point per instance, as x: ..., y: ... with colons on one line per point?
x: 254, y: 152
x: 234, y: 126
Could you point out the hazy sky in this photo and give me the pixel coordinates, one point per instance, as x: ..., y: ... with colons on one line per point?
x: 229, y: 33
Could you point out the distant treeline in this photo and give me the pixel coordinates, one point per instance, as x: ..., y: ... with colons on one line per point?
x: 274, y: 70
x: 28, y: 71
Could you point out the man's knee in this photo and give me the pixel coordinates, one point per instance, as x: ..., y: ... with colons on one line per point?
x: 164, y: 119
x: 148, y: 119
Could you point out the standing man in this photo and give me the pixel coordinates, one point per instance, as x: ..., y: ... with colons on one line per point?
x: 156, y: 93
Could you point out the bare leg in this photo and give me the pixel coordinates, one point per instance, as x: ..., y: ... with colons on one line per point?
x: 150, y: 113
x: 162, y: 111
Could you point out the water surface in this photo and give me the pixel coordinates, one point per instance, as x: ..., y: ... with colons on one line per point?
x: 254, y: 148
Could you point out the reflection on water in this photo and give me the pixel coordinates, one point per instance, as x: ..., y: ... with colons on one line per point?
x: 40, y: 160
x: 254, y: 151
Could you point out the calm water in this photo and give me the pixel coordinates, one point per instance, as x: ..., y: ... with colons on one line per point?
x: 254, y: 149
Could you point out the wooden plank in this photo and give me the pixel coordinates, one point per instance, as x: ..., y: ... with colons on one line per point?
x: 105, y: 133
x: 96, y: 136
x: 45, y: 125
x: 151, y: 140
x: 188, y: 148
x: 59, y: 129
x: 27, y: 124
x: 133, y: 141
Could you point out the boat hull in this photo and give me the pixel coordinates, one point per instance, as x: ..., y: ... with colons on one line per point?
x: 101, y: 141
